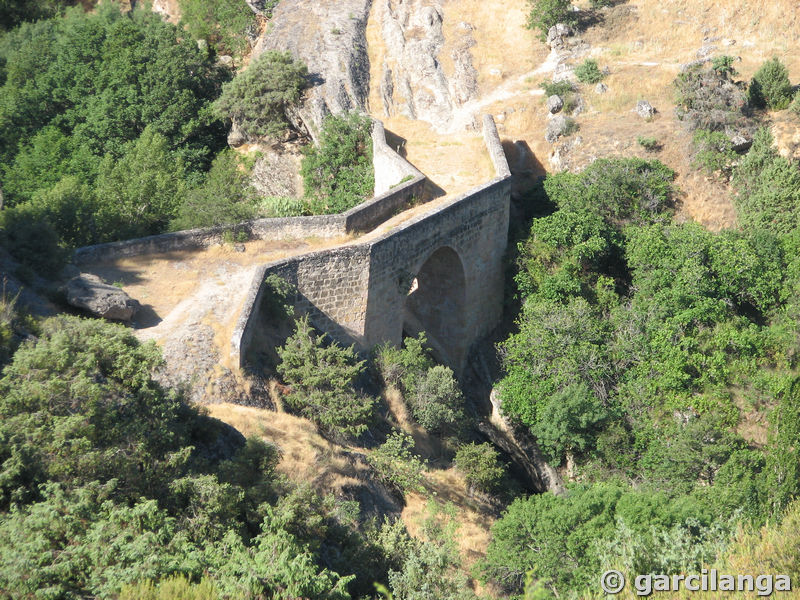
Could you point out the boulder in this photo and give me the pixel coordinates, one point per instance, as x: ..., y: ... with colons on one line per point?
x: 92, y: 294
x: 644, y: 109
x: 741, y: 141
x: 556, y: 35
x: 555, y: 128
x: 600, y: 88
x: 554, y: 104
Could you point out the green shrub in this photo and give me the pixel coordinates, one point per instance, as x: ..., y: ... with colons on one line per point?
x: 589, y: 72
x: 397, y: 465
x: 479, y: 465
x: 714, y: 152
x: 222, y: 23
x: 601, y: 3
x: 30, y: 239
x: 572, y: 126
x: 723, y: 65
x: 403, y: 367
x: 172, y: 588
x: 569, y: 422
x: 557, y: 88
x: 650, y: 144
x: 225, y: 196
x: 710, y: 99
x: 795, y: 106
x: 436, y: 400
x: 770, y: 86
x: 282, y: 206
x: 767, y: 188
x: 337, y: 172
x: 322, y: 377
x: 546, y: 13
x: 258, y: 97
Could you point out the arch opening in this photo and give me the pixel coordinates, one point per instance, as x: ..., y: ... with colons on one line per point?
x: 436, y: 305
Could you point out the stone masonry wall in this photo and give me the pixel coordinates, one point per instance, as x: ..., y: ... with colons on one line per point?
x: 388, y: 166
x: 358, y: 293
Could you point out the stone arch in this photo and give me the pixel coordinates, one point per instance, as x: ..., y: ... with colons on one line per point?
x: 436, y: 304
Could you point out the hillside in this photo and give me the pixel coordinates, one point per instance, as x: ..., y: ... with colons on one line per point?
x: 399, y: 299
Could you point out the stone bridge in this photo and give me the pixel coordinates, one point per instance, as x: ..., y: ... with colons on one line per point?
x: 441, y: 273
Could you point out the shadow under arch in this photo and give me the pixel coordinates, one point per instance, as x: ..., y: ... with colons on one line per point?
x: 436, y: 304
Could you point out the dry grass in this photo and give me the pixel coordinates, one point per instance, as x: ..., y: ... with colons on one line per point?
x: 306, y: 457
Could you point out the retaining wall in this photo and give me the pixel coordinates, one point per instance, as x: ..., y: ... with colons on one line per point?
x: 357, y: 293
x: 388, y: 166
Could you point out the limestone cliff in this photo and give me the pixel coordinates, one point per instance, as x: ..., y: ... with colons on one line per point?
x: 414, y: 81
x: 329, y: 36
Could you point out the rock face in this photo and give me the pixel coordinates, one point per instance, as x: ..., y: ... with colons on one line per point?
x: 90, y: 293
x: 555, y: 128
x: 329, y: 37
x: 644, y: 109
x: 554, y: 104
x: 413, y: 81
x: 600, y: 88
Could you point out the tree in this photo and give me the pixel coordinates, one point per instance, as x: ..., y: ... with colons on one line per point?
x: 225, y: 196
x: 397, y: 465
x: 141, y: 192
x: 479, y: 465
x: 770, y: 86
x: 338, y: 172
x: 569, y: 422
x: 257, y: 99
x: 546, y: 13
x: 323, y: 376
x: 436, y: 400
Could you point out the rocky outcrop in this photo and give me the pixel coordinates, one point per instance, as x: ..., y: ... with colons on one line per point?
x: 554, y: 104
x: 644, y: 109
x: 329, y: 36
x: 92, y: 294
x: 555, y: 128
x: 414, y: 82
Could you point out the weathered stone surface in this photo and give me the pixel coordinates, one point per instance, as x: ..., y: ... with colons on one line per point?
x: 413, y: 80
x: 364, y: 293
x: 555, y: 128
x: 554, y: 104
x: 741, y: 141
x: 644, y: 109
x: 556, y: 35
x: 329, y: 36
x: 600, y: 88
x: 92, y: 294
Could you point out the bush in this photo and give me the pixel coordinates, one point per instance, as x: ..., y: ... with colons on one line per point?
x: 589, y: 72
x: 404, y: 366
x: 714, y: 152
x: 337, y: 172
x: 650, y: 144
x: 723, y: 65
x: 569, y: 422
x: 224, y: 198
x: 322, y: 377
x: 30, y: 238
x: 795, y: 106
x: 172, y: 588
x: 767, y: 188
x: 222, y: 23
x: 258, y: 97
x: 557, y: 88
x: 396, y: 464
x: 436, y: 400
x: 546, y: 13
x: 282, y: 206
x: 479, y: 465
x: 770, y: 86
x: 709, y: 99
